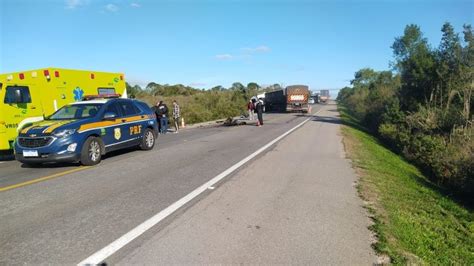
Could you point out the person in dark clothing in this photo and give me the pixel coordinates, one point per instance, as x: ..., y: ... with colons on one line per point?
x: 259, y: 108
x: 158, y: 115
x: 163, y: 113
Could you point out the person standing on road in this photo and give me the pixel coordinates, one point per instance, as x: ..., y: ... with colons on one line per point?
x: 158, y: 115
x: 163, y: 112
x: 176, y: 115
x: 259, y: 109
x: 251, y: 108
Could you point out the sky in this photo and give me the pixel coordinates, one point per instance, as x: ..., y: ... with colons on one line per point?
x: 208, y: 43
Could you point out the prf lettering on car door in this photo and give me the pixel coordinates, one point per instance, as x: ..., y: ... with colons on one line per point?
x: 135, y: 130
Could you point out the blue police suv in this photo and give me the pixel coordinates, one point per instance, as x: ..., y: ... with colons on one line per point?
x: 84, y: 131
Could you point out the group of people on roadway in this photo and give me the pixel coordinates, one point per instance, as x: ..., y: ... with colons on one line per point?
x: 255, y: 105
x: 162, y: 113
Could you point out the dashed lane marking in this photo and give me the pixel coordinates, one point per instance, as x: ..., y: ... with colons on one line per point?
x: 44, y: 178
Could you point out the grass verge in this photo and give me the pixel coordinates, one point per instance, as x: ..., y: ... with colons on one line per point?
x: 413, y: 221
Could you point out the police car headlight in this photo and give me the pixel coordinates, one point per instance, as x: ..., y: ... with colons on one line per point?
x: 72, y: 147
x: 64, y: 133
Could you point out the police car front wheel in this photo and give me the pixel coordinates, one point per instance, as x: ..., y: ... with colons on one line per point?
x: 148, y: 140
x: 91, y: 153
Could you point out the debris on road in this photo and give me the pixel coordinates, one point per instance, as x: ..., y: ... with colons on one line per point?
x: 234, y: 122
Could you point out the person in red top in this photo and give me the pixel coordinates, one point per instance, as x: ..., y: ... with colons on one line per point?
x: 251, y: 109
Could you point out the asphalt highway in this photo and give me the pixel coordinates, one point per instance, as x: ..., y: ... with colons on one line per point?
x: 295, y: 205
x: 61, y: 214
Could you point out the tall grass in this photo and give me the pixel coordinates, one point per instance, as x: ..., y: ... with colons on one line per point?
x: 414, y: 220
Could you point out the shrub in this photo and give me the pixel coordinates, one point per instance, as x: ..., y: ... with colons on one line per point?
x: 388, y: 132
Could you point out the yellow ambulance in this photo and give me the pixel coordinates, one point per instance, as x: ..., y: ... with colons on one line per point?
x: 28, y: 96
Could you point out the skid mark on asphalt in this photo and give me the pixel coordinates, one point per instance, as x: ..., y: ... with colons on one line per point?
x: 44, y: 178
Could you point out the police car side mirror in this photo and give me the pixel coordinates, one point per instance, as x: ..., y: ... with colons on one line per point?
x: 110, y: 116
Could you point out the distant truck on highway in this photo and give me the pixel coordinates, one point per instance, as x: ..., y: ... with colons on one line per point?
x: 292, y: 98
x: 30, y: 96
x: 324, y: 96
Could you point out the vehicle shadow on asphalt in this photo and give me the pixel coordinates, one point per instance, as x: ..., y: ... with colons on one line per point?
x: 6, y: 156
x: 351, y: 122
x: 338, y: 121
x: 303, y: 115
x: 49, y: 165
x: 327, y: 119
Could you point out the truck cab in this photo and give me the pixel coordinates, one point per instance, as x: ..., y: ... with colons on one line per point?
x: 16, y: 110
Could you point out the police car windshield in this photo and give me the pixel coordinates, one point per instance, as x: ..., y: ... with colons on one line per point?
x: 76, y: 111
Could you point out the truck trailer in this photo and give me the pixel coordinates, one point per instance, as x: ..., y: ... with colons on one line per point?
x: 290, y: 99
x: 275, y: 101
x: 297, y: 98
x: 29, y: 96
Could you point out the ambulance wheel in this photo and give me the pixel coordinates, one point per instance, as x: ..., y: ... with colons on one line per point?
x: 148, y: 140
x: 91, y: 152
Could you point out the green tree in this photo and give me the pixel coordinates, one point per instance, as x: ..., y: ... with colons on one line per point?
x: 132, y: 91
x: 253, y: 86
x: 415, y: 62
x: 448, y: 66
x: 218, y: 88
x: 276, y: 87
x: 364, y: 77
x: 237, y: 86
x: 467, y: 71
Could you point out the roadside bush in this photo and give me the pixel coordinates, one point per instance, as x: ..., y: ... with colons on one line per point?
x: 425, y: 150
x: 389, y: 132
x: 423, y: 111
x: 196, y: 105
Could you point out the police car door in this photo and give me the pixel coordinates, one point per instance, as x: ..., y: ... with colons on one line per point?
x: 111, y: 135
x: 131, y: 129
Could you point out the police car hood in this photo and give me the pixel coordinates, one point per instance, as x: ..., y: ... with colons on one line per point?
x: 51, y: 126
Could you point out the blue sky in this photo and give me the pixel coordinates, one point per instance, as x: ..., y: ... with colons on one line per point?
x: 208, y: 43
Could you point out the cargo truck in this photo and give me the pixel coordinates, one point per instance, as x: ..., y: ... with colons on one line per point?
x: 297, y: 98
x: 292, y: 98
x: 324, y: 96
x: 29, y: 96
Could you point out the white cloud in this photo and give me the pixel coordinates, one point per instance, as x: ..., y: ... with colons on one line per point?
x: 135, y: 5
x: 111, y: 8
x: 258, y: 49
x: 197, y: 84
x: 245, y: 53
x: 72, y: 4
x: 224, y: 56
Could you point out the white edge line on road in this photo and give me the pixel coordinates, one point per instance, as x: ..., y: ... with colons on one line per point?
x: 113, y: 247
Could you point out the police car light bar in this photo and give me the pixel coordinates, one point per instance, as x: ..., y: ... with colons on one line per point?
x: 101, y: 96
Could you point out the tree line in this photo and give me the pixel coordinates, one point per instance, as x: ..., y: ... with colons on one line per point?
x: 200, y: 105
x: 422, y: 107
